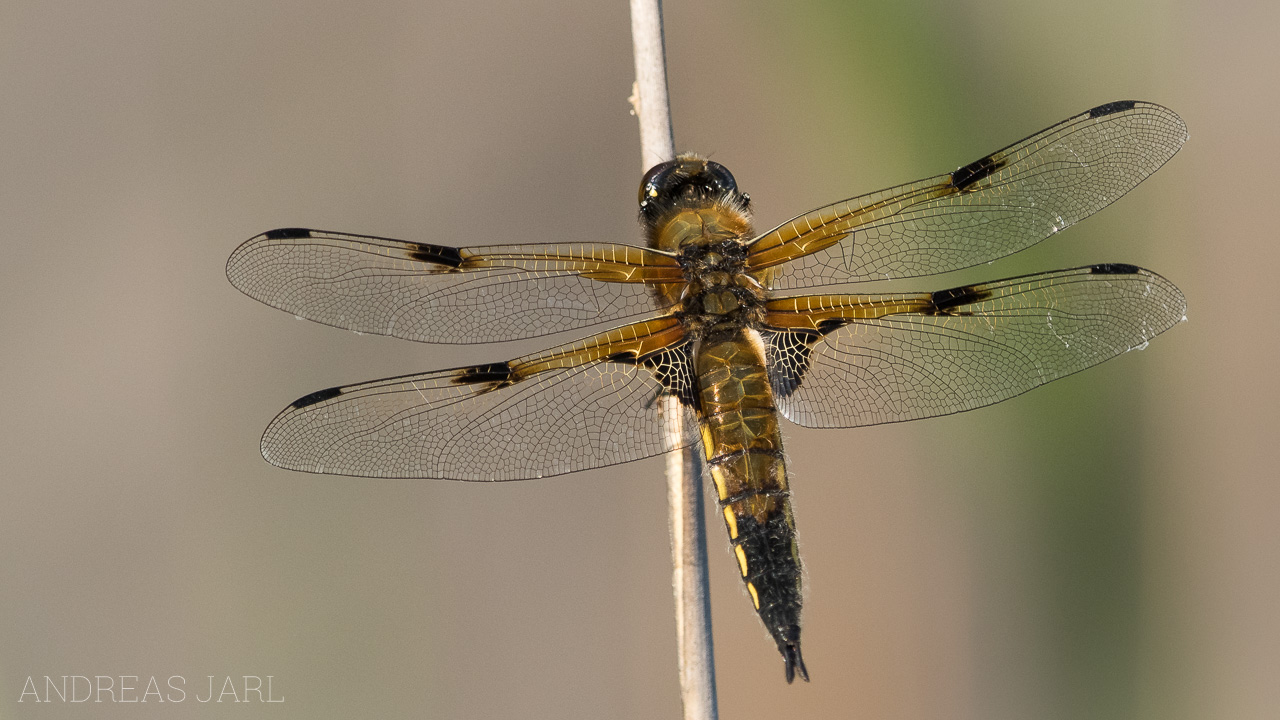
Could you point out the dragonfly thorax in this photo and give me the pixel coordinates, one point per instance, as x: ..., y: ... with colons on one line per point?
x: 718, y: 290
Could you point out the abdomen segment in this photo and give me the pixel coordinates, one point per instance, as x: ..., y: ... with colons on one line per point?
x: 743, y: 447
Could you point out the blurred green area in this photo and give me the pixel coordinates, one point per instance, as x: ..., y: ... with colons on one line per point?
x: 1063, y: 464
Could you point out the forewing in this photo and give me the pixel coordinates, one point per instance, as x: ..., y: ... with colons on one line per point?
x: 434, y: 293
x: 851, y: 360
x: 586, y: 405
x: 990, y: 208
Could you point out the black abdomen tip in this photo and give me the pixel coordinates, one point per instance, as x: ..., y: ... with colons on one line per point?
x: 795, y: 663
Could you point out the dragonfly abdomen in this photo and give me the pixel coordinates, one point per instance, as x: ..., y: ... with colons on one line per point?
x: 743, y: 447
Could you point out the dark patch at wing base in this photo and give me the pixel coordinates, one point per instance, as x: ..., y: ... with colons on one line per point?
x: 673, y: 367
x: 317, y: 396
x: 831, y: 325
x: 1112, y: 107
x: 787, y: 354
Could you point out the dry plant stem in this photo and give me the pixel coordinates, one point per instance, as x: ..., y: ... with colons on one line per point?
x: 652, y: 108
x: 689, y: 577
x: 684, y: 469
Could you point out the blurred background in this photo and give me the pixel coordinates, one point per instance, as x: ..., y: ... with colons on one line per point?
x: 1105, y: 547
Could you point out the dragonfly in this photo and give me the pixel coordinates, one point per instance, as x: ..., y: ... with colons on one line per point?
x: 731, y: 328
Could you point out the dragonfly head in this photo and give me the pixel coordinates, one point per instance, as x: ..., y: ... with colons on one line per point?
x: 685, y: 180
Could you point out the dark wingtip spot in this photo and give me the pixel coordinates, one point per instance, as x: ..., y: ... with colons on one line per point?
x: 437, y: 254
x: 287, y: 233
x: 1112, y: 107
x: 943, y: 302
x: 490, y: 373
x: 966, y: 176
x: 316, y: 397
x: 1115, y: 269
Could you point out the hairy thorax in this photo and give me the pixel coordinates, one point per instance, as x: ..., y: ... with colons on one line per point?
x: 710, y: 238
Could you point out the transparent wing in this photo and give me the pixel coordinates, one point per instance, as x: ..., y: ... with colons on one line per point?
x: 433, y: 293
x: 996, y: 206
x: 851, y: 360
x: 589, y: 404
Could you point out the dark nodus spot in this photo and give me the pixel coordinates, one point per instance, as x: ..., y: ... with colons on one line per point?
x: 436, y: 254
x: 944, y: 301
x: 491, y: 373
x: 975, y: 171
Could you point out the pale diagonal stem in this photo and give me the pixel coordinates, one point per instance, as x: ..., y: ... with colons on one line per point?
x: 684, y: 469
